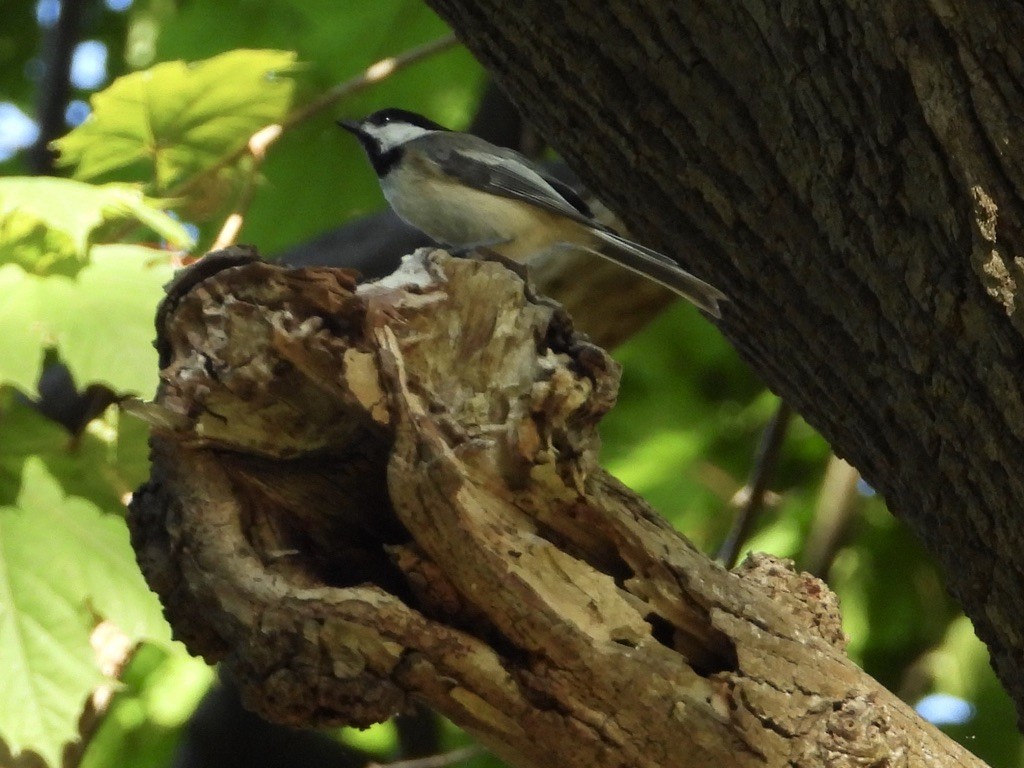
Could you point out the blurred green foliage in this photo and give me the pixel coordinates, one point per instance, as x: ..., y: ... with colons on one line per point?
x: 80, y: 274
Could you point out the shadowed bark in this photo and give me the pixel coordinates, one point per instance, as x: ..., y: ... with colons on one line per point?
x: 851, y: 175
x: 361, y: 499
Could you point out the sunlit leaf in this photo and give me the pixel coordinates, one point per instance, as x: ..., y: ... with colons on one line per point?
x: 100, y: 468
x: 35, y: 246
x: 23, y: 344
x: 44, y: 638
x: 379, y: 739
x: 101, y: 563
x: 103, y: 320
x: 176, y: 120
x: 45, y: 221
x: 62, y: 564
x: 100, y: 320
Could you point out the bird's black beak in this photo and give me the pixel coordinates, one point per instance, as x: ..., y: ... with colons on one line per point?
x: 368, y: 142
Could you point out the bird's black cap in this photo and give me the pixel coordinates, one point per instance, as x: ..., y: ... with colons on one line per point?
x: 391, y: 115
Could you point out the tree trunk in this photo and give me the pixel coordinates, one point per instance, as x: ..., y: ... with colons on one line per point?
x: 851, y: 175
x: 362, y: 499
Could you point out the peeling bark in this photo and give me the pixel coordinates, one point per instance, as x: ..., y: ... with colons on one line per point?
x: 366, y: 497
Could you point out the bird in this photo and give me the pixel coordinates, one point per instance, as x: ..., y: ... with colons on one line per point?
x: 467, y: 193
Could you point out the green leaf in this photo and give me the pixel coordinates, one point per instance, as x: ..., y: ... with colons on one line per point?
x: 45, y: 221
x: 63, y: 563
x: 131, y: 450
x: 102, y: 465
x: 35, y: 246
x: 100, y: 320
x: 176, y: 120
x: 44, y: 629
x: 24, y: 343
x: 98, y: 557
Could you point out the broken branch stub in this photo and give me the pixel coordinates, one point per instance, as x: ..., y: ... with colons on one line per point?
x: 361, y: 496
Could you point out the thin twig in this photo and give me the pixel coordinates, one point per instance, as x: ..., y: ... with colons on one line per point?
x: 753, y: 493
x: 371, y: 75
x: 228, y: 234
x: 434, y: 761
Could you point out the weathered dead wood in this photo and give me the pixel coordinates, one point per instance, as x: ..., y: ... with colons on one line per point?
x: 364, y: 497
x: 851, y: 175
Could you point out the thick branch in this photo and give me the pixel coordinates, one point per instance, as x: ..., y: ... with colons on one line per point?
x: 365, y: 498
x: 850, y: 175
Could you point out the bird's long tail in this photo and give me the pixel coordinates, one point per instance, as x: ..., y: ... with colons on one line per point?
x: 660, y: 269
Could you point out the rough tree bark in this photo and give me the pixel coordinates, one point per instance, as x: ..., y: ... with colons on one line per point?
x: 362, y: 498
x: 851, y: 175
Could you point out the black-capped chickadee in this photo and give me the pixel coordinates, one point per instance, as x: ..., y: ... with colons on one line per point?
x: 465, y: 192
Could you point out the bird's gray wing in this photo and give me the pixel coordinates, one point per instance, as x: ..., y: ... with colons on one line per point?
x: 481, y: 165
